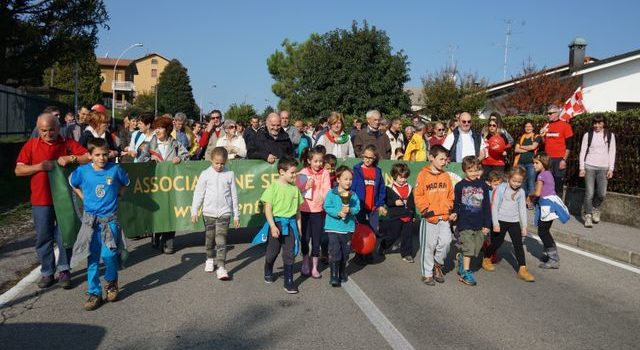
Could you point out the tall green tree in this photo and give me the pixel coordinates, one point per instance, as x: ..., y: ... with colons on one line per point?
x: 267, y: 110
x: 174, y: 91
x: 448, y: 92
x: 89, y: 80
x: 350, y: 71
x: 240, y: 113
x: 37, y: 33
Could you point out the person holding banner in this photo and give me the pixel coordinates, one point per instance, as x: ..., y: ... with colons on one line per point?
x: 139, y: 146
x: 271, y: 143
x: 336, y: 140
x: 37, y: 157
x: 164, y: 148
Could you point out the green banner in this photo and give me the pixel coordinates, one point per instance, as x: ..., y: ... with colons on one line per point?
x: 159, y: 196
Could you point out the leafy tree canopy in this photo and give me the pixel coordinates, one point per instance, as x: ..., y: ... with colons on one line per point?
x: 38, y: 33
x: 240, y: 113
x: 448, y: 92
x: 89, y: 80
x: 350, y: 71
x: 174, y: 91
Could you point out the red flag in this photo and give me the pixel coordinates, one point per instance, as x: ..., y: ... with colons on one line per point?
x: 573, y: 106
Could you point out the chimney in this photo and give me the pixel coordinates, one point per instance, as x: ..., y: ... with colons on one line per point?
x: 577, y: 50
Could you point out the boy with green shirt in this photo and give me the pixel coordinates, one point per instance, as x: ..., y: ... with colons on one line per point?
x: 282, y: 201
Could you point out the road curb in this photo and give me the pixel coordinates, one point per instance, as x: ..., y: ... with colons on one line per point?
x: 616, y: 253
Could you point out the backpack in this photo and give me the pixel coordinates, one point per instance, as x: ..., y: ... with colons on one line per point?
x: 607, y: 139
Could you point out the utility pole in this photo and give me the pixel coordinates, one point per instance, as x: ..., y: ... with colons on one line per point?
x: 507, y: 42
x: 75, y: 87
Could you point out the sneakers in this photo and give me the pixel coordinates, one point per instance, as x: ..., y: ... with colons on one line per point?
x: 408, y: 259
x: 334, y: 267
x: 64, y: 279
x: 168, y: 250
x: 523, y: 274
x: 222, y: 274
x: 289, y: 285
x: 553, y: 260
x: 487, y: 265
x: 467, y: 278
x: 46, y: 281
x: 588, y: 223
x: 112, y: 291
x: 93, y: 302
x: 596, y: 216
x: 438, y: 276
x: 428, y: 281
x: 209, y: 265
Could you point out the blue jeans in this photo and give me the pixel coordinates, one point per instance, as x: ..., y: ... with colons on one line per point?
x: 595, y: 187
x: 110, y: 258
x: 44, y: 219
x: 530, y: 181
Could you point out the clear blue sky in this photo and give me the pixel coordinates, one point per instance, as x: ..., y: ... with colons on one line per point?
x: 226, y: 43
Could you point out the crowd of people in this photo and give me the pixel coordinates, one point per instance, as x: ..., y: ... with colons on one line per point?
x: 314, y: 207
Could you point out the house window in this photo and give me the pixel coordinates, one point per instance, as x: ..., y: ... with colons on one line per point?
x: 625, y: 106
x: 154, y: 61
x: 154, y: 73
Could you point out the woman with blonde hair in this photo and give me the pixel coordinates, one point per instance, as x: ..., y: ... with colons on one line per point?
x: 336, y: 140
x: 97, y: 127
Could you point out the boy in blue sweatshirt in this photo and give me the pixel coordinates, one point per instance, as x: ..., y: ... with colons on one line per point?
x: 472, y: 206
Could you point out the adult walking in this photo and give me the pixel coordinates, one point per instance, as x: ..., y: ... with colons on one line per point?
x: 558, y: 139
x: 232, y: 142
x: 271, y: 143
x: 396, y: 139
x: 97, y: 127
x: 496, y: 148
x: 597, y: 160
x: 37, y: 157
x: 336, y: 140
x: 438, y: 136
x: 371, y: 135
x: 211, y: 134
x: 293, y: 132
x: 138, y: 148
x: 464, y: 141
x: 525, y: 150
x: 183, y: 134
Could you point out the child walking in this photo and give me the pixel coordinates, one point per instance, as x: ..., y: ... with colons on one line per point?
x: 99, y: 184
x: 509, y: 214
x: 472, y: 206
x: 341, y: 206
x: 548, y: 208
x: 282, y: 201
x: 314, y: 182
x: 216, y: 188
x: 434, y: 200
x: 368, y: 185
x: 401, y: 212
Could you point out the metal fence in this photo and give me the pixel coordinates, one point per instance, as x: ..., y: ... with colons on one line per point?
x: 19, y: 110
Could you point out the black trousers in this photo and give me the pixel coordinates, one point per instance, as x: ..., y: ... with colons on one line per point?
x: 274, y: 245
x: 497, y: 238
x: 544, y: 232
x: 398, y: 229
x: 558, y: 174
x: 312, y: 227
x: 339, y: 246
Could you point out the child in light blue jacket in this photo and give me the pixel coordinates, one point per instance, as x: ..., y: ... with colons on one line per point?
x: 341, y: 206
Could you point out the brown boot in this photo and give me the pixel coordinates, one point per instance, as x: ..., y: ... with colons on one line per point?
x: 487, y: 265
x: 93, y: 302
x: 112, y: 291
x: 438, y: 276
x: 523, y: 274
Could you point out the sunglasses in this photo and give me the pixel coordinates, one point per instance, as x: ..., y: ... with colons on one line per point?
x: 550, y: 113
x: 231, y: 127
x: 439, y: 129
x: 493, y: 125
x: 465, y: 121
x: 215, y: 117
x: 369, y: 158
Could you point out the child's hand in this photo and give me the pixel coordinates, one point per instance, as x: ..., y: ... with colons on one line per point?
x: 453, y: 217
x: 176, y: 160
x: 156, y: 158
x: 485, y: 231
x: 382, y: 211
x: 275, y: 233
x: 236, y: 222
x: 194, y: 219
x: 342, y: 214
x: 496, y: 228
x: 524, y: 232
x: 399, y: 202
x: 345, y: 209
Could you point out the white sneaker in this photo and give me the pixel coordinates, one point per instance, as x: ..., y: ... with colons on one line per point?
x: 208, y: 266
x: 587, y: 221
x: 222, y: 274
x: 596, y: 216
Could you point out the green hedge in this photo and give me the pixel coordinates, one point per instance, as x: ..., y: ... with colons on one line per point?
x: 626, y: 127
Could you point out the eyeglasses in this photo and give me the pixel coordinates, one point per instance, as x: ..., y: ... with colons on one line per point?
x: 550, y: 113
x: 369, y: 158
x: 465, y: 121
x: 231, y: 127
x: 439, y: 129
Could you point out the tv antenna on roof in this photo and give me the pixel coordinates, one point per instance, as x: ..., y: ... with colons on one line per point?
x: 507, y: 45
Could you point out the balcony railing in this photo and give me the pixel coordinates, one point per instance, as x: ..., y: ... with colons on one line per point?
x: 119, y: 85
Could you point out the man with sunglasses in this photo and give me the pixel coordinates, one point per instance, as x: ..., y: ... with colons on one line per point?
x: 438, y: 137
x: 558, y: 139
x: 211, y: 134
x: 464, y: 141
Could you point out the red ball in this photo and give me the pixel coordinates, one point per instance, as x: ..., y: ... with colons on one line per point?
x: 496, y: 146
x: 364, y: 240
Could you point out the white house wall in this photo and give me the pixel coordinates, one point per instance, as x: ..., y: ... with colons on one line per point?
x: 604, y: 88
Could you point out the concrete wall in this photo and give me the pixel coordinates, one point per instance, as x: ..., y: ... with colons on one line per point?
x: 619, y: 208
x: 604, y: 88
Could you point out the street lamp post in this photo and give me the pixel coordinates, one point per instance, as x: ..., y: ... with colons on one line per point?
x: 113, y: 84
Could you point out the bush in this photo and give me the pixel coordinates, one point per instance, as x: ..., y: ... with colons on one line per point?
x: 626, y: 127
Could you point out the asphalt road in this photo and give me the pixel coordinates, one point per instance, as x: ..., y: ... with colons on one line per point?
x: 170, y: 302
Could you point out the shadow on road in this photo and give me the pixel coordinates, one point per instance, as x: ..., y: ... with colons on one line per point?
x: 50, y: 336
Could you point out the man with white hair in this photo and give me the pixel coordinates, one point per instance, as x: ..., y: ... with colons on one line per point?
x: 183, y: 134
x: 294, y: 133
x: 271, y: 143
x: 37, y: 157
x: 371, y: 135
x: 464, y: 141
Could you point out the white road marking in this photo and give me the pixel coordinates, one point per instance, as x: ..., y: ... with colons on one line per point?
x: 32, y: 277
x: 578, y: 251
x: 388, y: 331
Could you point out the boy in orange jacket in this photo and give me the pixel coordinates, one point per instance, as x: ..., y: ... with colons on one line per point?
x: 434, y: 199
